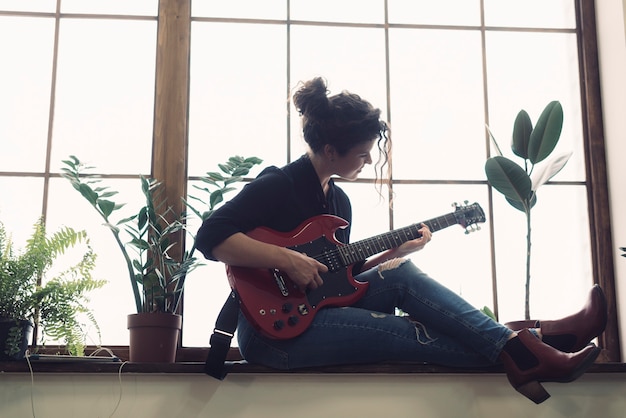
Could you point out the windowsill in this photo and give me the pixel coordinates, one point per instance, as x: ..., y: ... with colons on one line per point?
x: 191, y: 361
x: 246, y: 368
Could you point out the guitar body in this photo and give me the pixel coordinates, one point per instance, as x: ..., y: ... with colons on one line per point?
x: 273, y: 303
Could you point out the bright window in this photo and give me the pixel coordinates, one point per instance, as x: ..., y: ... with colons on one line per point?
x: 82, y: 81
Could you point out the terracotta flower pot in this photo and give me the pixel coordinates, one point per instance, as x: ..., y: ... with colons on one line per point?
x: 153, y: 337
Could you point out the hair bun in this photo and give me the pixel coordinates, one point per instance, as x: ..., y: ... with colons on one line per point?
x: 311, y: 100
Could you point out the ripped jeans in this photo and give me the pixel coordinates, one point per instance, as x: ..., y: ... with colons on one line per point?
x: 442, y: 328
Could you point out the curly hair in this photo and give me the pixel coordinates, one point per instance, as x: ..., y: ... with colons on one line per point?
x: 342, y: 120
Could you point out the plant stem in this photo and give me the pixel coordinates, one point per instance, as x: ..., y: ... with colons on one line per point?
x: 528, y: 241
x: 180, y: 284
x: 131, y: 271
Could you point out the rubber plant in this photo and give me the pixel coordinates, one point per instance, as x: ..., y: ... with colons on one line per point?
x: 519, y: 184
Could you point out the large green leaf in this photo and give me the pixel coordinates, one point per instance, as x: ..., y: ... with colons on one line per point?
x: 88, y: 193
x: 216, y: 198
x: 106, y: 206
x: 522, y: 129
x: 508, y: 178
x: 524, y: 206
x: 546, y: 133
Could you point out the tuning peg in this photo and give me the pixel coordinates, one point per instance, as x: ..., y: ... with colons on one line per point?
x: 472, y: 228
x: 457, y: 205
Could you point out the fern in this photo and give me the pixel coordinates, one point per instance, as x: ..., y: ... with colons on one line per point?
x: 59, y: 304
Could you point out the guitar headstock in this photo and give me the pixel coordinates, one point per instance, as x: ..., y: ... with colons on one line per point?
x: 468, y: 216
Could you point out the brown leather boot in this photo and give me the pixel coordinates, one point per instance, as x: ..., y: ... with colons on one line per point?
x: 546, y: 364
x: 574, y: 332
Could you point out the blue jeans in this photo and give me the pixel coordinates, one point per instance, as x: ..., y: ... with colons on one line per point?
x: 442, y: 328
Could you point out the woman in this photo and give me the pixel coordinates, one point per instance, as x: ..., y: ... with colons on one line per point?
x: 441, y: 328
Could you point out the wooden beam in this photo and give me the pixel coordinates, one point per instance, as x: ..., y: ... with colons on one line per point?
x: 169, y: 153
x: 596, y: 172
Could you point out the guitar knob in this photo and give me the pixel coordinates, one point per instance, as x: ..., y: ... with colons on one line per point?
x: 293, y: 320
x: 279, y: 324
x: 287, y: 307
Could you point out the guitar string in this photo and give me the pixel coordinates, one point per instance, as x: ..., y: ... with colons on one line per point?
x: 339, y: 251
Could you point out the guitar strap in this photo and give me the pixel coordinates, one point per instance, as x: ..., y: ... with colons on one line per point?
x: 225, y: 326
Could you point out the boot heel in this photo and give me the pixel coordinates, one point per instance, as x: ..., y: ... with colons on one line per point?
x: 533, y: 391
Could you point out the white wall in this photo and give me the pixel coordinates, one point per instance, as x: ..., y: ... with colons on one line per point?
x: 303, y: 396
x: 258, y: 396
x: 612, y: 55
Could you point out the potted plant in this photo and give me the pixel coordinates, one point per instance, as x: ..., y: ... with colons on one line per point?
x: 59, y: 306
x: 152, y: 233
x: 519, y: 185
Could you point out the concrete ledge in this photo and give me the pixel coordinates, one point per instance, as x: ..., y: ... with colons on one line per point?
x: 242, y: 367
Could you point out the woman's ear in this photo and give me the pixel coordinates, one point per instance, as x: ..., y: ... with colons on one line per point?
x: 330, y: 152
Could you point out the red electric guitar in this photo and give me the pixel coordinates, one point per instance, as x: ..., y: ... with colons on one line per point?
x: 279, y: 309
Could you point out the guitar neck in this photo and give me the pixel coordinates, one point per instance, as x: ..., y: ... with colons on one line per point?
x: 361, y: 250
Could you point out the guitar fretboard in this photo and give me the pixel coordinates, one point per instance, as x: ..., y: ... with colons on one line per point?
x: 361, y: 250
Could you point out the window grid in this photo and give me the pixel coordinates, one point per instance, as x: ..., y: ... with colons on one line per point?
x: 596, y: 183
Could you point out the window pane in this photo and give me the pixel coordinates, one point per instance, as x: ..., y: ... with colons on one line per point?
x: 238, y: 98
x: 370, y: 212
x: 530, y: 13
x: 20, y: 206
x: 459, y: 261
x: 252, y: 9
x: 28, y: 6
x: 437, y: 107
x: 114, y: 302
x: 442, y: 12
x: 105, y: 94
x: 528, y: 71
x: 206, y: 287
x: 206, y: 290
x: 26, y: 47
x: 120, y: 7
x: 360, y: 11
x: 345, y: 58
x: 560, y: 254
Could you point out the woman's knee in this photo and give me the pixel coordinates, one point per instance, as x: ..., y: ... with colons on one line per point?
x: 392, y: 264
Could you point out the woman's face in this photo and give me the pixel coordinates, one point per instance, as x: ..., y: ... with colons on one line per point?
x: 350, y: 165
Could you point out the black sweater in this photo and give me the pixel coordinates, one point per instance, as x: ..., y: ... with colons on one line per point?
x: 280, y: 199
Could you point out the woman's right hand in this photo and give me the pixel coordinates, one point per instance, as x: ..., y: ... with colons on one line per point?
x: 241, y: 250
x: 304, y: 271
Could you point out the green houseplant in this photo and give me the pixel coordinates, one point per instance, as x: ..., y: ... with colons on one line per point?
x: 148, y: 237
x: 519, y: 184
x: 60, y: 305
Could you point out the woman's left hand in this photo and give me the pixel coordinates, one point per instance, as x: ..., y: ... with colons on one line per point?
x: 416, y: 244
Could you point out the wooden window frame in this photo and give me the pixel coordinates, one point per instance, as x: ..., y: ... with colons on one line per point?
x: 171, y: 118
x: 170, y: 150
